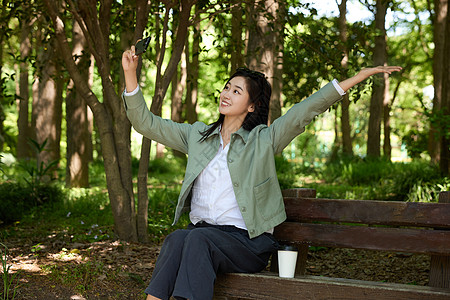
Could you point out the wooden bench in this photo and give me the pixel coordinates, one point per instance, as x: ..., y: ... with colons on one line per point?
x: 405, y: 227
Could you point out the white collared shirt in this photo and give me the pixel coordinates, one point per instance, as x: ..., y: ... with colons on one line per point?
x: 213, y: 198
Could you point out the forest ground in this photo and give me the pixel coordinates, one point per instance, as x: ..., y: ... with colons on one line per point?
x: 53, y: 268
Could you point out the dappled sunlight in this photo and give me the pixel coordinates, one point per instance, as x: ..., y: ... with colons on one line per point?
x: 77, y: 270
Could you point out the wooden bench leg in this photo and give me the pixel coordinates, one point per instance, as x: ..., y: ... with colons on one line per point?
x: 440, y: 265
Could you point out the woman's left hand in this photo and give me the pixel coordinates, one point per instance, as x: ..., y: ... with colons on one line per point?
x: 366, y: 73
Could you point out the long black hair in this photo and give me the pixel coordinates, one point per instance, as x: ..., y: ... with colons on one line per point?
x: 259, y: 91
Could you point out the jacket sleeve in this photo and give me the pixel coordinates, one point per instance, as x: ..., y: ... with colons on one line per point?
x: 172, y: 134
x: 284, y: 129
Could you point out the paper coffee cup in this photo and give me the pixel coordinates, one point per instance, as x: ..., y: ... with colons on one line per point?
x: 287, y: 259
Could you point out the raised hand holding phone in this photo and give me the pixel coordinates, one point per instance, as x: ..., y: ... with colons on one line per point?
x: 129, y: 64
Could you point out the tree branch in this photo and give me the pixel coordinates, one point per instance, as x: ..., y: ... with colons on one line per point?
x: 66, y: 53
x: 86, y: 33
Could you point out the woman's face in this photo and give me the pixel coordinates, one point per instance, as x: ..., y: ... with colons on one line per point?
x: 235, y: 99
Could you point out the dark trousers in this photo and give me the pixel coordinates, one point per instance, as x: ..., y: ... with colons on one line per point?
x: 190, y: 259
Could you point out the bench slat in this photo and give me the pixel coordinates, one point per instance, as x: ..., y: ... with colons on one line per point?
x: 269, y: 286
x: 362, y: 237
x: 368, y: 212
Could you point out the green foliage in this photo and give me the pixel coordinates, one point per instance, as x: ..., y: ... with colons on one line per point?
x: 1, y: 164
x: 423, y: 191
x: 353, y: 178
x: 82, y: 276
x: 37, y: 170
x: 162, y: 204
x: 20, y: 197
x: 87, y: 214
x: 17, y: 199
x: 286, y: 176
x: 8, y: 278
x: 416, y: 142
x: 441, y: 120
x: 386, y: 180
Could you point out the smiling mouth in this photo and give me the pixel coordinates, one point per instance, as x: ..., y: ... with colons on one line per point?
x: 224, y: 103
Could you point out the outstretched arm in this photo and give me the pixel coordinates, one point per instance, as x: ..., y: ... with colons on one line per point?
x: 366, y: 73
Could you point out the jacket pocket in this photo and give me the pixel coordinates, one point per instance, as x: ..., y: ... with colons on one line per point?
x: 268, y: 198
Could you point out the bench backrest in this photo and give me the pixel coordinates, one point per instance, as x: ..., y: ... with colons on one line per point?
x: 365, y: 224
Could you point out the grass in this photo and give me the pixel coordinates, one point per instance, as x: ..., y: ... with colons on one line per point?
x: 9, y: 279
x: 82, y: 275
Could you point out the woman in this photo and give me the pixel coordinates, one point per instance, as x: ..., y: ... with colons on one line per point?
x: 230, y: 186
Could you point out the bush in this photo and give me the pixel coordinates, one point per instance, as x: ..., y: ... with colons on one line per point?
x: 383, y: 179
x: 162, y: 204
x: 428, y: 191
x: 17, y: 199
x: 285, y: 172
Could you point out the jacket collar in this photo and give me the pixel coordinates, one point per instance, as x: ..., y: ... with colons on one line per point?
x: 241, y: 132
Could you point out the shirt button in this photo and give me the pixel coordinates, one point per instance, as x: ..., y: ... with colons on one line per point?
x: 243, y: 209
x: 252, y: 231
x: 236, y: 184
x: 230, y: 160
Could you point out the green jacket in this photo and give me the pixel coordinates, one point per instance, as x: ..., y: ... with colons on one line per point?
x: 250, y: 158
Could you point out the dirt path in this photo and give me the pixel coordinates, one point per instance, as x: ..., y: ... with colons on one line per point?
x: 53, y: 269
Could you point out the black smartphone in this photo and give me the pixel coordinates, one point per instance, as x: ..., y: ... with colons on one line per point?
x: 142, y: 45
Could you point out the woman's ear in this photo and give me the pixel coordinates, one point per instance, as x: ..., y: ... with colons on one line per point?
x: 251, y: 108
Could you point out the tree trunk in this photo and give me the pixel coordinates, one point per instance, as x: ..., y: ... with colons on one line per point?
x: 23, y: 121
x: 79, y: 140
x: 193, y: 66
x: 440, y: 13
x: 276, y: 101
x: 47, y: 107
x: 262, y: 53
x: 113, y: 126
x: 345, y: 103
x: 178, y: 87
x: 444, y: 162
x: 378, y: 89
x: 237, y: 58
x: 387, y: 148
x: 176, y: 105
x: 2, y: 113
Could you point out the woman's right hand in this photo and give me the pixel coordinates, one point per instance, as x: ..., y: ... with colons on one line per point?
x: 130, y: 60
x: 129, y: 64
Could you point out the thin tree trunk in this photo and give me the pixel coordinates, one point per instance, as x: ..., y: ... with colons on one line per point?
x: 237, y: 58
x: 345, y: 103
x: 193, y: 66
x: 142, y: 196
x: 2, y: 113
x: 161, y: 86
x: 440, y: 13
x: 444, y: 162
x: 276, y: 102
x: 387, y: 148
x: 23, y: 121
x: 78, y: 136
x: 178, y: 87
x: 378, y: 89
